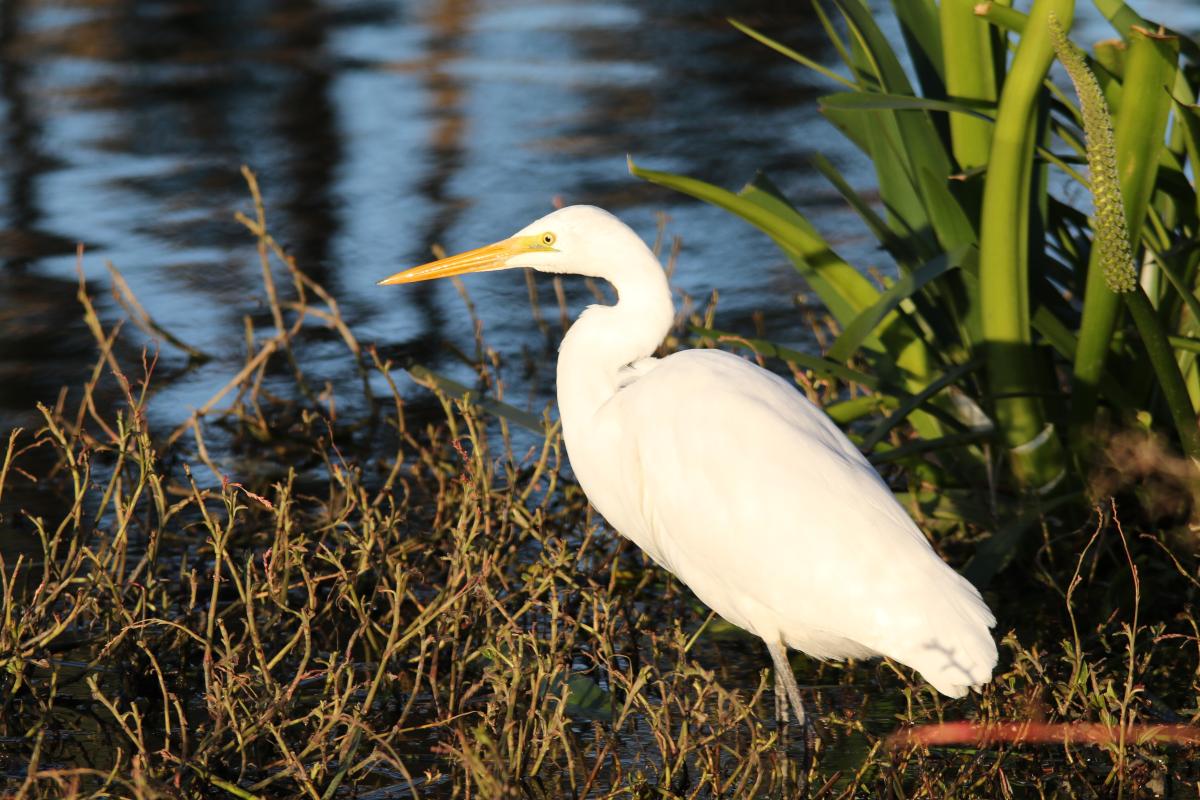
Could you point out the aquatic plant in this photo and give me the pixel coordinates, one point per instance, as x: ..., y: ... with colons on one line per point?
x: 998, y: 358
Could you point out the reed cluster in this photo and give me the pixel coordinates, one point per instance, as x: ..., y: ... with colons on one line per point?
x: 1017, y: 334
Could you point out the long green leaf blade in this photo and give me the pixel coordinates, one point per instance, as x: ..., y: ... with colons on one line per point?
x: 841, y: 287
x: 876, y: 101
x: 1036, y: 457
x: 784, y: 50
x: 967, y: 44
x: 856, y: 332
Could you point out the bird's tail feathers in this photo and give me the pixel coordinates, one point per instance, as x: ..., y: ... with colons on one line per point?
x: 957, y: 651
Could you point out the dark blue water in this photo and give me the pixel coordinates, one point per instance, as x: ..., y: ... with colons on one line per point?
x: 377, y: 129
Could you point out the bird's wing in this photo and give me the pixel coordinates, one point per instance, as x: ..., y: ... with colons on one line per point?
x: 756, y: 500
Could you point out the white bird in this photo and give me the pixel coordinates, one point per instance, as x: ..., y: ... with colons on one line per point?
x: 731, y: 479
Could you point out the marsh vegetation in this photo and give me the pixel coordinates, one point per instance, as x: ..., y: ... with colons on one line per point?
x: 368, y: 588
x: 411, y: 598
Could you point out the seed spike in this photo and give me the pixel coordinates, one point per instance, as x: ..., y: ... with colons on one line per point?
x: 1111, y: 231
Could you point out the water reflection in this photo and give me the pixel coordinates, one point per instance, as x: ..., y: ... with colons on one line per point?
x: 379, y: 128
x: 448, y: 26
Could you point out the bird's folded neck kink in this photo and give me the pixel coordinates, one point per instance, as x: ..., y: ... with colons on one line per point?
x: 606, y: 338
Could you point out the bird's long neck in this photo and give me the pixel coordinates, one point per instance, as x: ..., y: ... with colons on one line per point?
x: 606, y: 338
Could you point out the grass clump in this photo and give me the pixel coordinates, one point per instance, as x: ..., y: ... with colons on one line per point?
x: 383, y: 597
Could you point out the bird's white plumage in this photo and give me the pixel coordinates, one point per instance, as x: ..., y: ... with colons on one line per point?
x: 755, y: 499
x: 732, y: 480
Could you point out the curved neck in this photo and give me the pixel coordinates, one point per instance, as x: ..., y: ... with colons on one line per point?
x: 606, y: 338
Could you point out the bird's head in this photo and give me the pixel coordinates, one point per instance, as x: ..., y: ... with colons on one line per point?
x: 581, y: 240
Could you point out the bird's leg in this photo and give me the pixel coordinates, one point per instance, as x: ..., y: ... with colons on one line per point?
x: 784, y: 675
x: 787, y: 692
x: 781, y: 719
x: 781, y: 703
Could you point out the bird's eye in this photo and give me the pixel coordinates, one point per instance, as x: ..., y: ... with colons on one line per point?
x: 547, y: 239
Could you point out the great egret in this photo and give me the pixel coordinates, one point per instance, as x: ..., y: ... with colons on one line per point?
x: 731, y: 479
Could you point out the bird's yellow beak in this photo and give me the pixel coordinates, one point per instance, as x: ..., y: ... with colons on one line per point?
x: 483, y: 259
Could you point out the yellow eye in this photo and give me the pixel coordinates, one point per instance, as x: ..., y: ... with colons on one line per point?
x: 548, y: 239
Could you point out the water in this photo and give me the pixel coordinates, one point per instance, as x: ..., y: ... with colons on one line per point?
x: 377, y: 129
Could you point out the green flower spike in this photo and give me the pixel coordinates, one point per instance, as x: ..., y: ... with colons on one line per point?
x: 1112, y: 235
